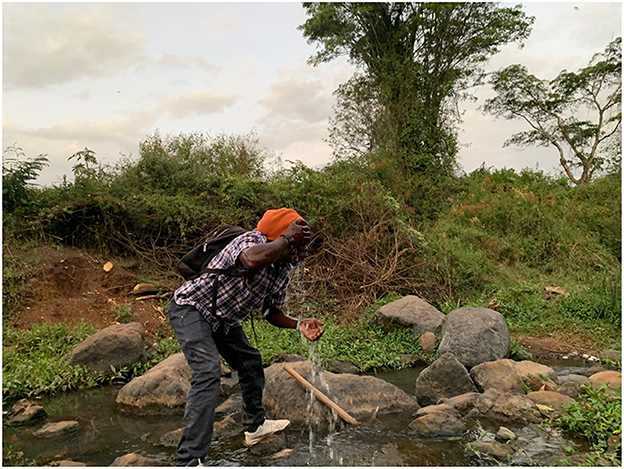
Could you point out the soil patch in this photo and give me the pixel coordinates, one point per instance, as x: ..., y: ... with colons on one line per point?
x: 557, y: 345
x: 69, y: 284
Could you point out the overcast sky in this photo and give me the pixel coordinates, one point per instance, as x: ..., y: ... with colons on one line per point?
x: 106, y: 75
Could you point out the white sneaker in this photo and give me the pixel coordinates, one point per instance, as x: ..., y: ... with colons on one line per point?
x: 268, y: 428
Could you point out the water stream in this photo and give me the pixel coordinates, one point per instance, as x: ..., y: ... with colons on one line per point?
x: 107, y: 433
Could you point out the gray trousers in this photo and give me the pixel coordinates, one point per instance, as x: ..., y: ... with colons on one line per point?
x: 201, y: 347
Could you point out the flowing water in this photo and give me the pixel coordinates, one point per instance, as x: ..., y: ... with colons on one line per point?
x: 106, y: 433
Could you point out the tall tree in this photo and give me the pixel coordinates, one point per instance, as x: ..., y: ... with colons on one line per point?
x: 419, y: 58
x: 578, y: 113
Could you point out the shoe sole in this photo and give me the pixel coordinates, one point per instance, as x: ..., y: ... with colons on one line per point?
x: 258, y: 440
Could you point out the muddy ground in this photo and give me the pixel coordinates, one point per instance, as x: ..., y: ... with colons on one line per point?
x: 71, y: 284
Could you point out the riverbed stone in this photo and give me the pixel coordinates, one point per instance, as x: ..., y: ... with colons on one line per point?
x: 535, y: 375
x: 410, y: 311
x: 570, y: 389
x: 492, y: 448
x: 551, y: 399
x: 69, y: 463
x: 227, y: 428
x: 495, y: 407
x: 428, y: 342
x: 171, y: 439
x: 361, y: 396
x: 136, y: 460
x: 463, y: 403
x: 499, y: 374
x: 573, y: 378
x: 25, y: 412
x: 592, y: 370
x: 444, y: 378
x: 162, y: 390
x: 436, y: 424
x: 119, y: 345
x: 230, y: 406
x: 612, y: 379
x: 269, y: 446
x: 505, y: 434
x: 55, y: 429
x: 437, y: 408
x: 475, y: 335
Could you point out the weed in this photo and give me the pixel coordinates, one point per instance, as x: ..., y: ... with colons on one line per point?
x: 518, y: 352
x: 124, y: 315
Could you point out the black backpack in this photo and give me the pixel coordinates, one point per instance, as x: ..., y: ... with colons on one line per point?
x: 195, y: 262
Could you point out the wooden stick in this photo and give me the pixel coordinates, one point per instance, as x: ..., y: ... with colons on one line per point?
x: 321, y: 397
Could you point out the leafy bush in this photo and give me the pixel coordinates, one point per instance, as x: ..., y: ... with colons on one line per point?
x: 596, y: 414
x: 18, y: 172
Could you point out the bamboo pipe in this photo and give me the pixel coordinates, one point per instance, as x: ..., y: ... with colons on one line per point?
x: 321, y: 397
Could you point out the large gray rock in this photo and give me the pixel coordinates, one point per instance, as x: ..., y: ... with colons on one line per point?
x: 25, y: 412
x: 162, y: 390
x: 475, y: 335
x: 500, y: 374
x: 120, y: 345
x: 411, y: 311
x: 444, y: 378
x: 361, y: 396
x: 495, y: 407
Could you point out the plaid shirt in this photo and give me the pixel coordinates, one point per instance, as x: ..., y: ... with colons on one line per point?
x: 237, y: 296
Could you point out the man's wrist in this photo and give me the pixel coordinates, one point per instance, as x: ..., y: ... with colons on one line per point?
x: 298, y: 325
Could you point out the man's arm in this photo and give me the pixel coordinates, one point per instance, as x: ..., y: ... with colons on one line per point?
x: 263, y: 255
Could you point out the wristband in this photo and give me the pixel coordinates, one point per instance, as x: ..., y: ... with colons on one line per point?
x: 288, y: 240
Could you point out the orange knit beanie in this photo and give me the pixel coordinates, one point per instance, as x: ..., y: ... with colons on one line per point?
x: 274, y: 223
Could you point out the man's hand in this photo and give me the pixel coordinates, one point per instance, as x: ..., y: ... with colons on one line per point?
x: 311, y: 329
x: 299, y: 233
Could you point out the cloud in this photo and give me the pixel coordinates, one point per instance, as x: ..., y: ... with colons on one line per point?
x: 170, y: 61
x: 47, y: 45
x: 201, y: 102
x: 228, y: 20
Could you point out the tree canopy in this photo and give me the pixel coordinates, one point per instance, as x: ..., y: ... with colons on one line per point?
x: 579, y: 113
x: 419, y: 58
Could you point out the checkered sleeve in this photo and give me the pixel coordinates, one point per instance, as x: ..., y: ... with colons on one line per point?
x: 231, y: 252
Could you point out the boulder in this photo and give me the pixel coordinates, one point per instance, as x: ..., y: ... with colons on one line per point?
x: 554, y: 400
x: 444, y: 378
x: 54, y: 429
x: 535, y: 375
x: 428, y: 342
x: 500, y: 374
x: 227, y: 428
x: 436, y: 424
x: 463, y: 403
x: 437, y: 408
x: 573, y: 378
x: 162, y: 390
x: 120, y: 345
x: 570, y: 389
x: 475, y: 335
x: 25, y: 412
x: 410, y: 311
x: 495, y: 407
x: 136, y: 460
x: 230, y: 406
x: 361, y: 396
x: 69, y: 463
x: 613, y: 379
x: 269, y: 446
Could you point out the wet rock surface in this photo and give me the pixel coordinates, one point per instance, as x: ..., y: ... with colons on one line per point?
x: 475, y: 335
x: 494, y: 407
x: 436, y: 424
x: 57, y: 429
x: 161, y: 390
x: 227, y: 428
x: 137, y: 460
x: 551, y: 399
x: 25, y: 412
x: 171, y: 439
x: 499, y: 374
x: 361, y: 396
x: 120, y: 345
x: 269, y: 446
x: 444, y: 378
